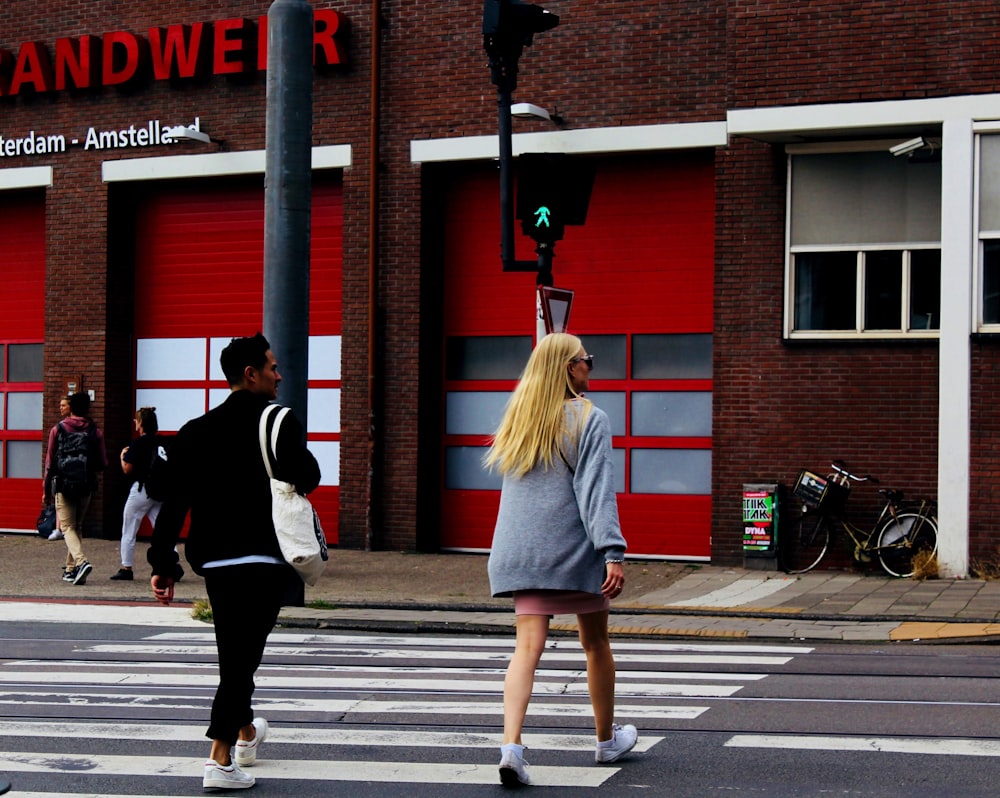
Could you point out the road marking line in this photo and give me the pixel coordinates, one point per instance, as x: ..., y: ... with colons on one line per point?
x: 311, y: 770
x: 892, y: 745
x: 299, y: 735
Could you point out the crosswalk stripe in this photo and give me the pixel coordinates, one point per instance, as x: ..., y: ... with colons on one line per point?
x: 298, y: 735
x: 129, y: 615
x: 891, y: 745
x: 498, y: 642
x: 448, y: 654
x: 265, y: 705
x: 311, y: 770
x: 542, y: 673
x: 366, y: 683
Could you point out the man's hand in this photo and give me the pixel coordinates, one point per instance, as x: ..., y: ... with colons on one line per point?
x: 163, y: 589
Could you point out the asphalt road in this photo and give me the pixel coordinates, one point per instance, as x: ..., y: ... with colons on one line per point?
x: 111, y: 709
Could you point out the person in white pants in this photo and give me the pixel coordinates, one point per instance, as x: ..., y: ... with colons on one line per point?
x: 135, y: 459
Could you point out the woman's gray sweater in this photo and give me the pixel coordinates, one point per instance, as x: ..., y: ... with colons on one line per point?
x: 556, y: 527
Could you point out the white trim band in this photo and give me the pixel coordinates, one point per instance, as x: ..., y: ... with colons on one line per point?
x: 26, y: 177
x: 219, y: 164
x: 638, y: 138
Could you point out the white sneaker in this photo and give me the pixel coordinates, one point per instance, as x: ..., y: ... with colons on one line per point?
x: 246, y: 750
x: 229, y: 777
x: 56, y: 535
x: 623, y: 740
x: 513, y: 768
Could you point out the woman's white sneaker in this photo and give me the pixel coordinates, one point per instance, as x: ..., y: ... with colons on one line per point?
x: 623, y: 740
x: 246, y: 750
x: 513, y: 768
x: 225, y: 777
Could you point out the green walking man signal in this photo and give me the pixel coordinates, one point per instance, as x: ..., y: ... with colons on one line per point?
x: 543, y: 217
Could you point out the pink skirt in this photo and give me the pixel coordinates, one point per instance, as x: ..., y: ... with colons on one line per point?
x: 558, y: 602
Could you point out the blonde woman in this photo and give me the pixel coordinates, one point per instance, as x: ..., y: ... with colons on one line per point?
x: 557, y: 546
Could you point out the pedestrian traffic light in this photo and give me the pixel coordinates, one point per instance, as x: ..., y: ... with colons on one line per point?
x: 513, y: 23
x: 553, y: 190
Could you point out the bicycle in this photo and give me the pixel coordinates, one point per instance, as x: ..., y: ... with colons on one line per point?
x: 898, y: 535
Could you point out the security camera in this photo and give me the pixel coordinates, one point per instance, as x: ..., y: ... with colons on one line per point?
x: 906, y: 147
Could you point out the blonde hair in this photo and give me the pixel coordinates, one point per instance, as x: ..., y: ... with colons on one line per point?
x: 534, y: 422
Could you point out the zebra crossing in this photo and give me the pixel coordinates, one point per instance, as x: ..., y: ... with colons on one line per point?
x: 331, y: 699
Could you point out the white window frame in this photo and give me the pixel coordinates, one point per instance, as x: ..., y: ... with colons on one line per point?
x: 980, y: 236
x: 789, y: 331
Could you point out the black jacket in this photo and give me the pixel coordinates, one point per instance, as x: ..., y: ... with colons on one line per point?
x: 216, y: 472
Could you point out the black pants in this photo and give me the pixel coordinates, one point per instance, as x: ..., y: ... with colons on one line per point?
x: 245, y: 603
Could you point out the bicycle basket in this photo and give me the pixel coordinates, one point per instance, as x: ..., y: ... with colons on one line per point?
x: 822, y: 492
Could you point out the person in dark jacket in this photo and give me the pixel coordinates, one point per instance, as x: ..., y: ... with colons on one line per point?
x: 216, y: 472
x: 71, y: 506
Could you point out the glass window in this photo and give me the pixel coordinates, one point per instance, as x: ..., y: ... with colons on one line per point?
x: 24, y: 410
x: 883, y: 290
x: 609, y: 355
x: 825, y: 290
x: 925, y: 289
x: 474, y: 412
x: 672, y: 357
x: 463, y: 469
x: 24, y: 459
x: 672, y: 471
x: 495, y: 357
x: 991, y: 281
x: 612, y: 403
x: 864, y: 230
x: 672, y: 413
x: 25, y: 362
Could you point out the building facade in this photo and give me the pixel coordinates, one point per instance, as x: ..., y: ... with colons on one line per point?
x: 767, y: 285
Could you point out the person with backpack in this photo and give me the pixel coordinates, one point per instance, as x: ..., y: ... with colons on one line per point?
x: 143, y: 461
x: 74, y: 457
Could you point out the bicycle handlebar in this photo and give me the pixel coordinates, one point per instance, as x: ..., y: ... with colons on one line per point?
x: 841, y: 468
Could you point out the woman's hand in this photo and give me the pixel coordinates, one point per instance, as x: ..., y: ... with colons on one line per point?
x: 163, y: 589
x: 614, y: 582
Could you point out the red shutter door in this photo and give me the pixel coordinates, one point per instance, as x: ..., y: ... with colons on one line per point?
x: 22, y: 324
x: 642, y: 269
x: 199, y: 281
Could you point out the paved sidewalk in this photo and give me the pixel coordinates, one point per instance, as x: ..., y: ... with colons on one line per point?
x: 392, y: 592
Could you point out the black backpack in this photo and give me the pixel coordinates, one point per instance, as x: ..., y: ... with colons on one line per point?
x: 76, y: 475
x: 155, y: 483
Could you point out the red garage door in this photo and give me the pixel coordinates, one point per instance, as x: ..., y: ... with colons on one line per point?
x: 22, y: 329
x: 199, y: 282
x: 642, y: 269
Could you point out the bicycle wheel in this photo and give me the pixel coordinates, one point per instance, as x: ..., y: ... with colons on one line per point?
x: 902, y: 538
x: 805, y: 543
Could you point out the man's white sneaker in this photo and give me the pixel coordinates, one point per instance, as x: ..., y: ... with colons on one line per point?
x: 246, y: 750
x: 228, y: 777
x: 513, y: 768
x: 56, y: 535
x: 623, y: 740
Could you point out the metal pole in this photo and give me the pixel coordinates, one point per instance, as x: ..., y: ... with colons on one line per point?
x: 505, y: 130
x: 288, y: 195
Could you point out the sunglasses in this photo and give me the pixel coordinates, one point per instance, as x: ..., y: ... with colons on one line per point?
x: 589, y: 360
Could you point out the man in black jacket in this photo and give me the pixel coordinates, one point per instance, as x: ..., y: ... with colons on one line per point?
x: 217, y: 473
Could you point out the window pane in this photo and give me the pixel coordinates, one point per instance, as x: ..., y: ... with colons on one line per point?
x: 672, y: 413
x: 991, y: 282
x: 24, y: 410
x: 25, y: 362
x: 672, y: 471
x: 672, y: 357
x: 925, y: 289
x: 474, y: 412
x: 24, y: 459
x: 609, y: 355
x: 989, y: 182
x: 864, y: 198
x: 463, y: 469
x: 612, y: 403
x: 883, y: 290
x: 496, y: 357
x: 825, y: 291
